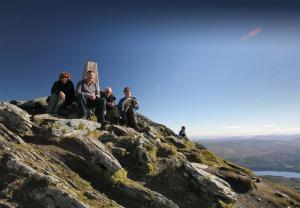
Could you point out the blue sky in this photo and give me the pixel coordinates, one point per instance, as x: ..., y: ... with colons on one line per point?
x: 219, y: 69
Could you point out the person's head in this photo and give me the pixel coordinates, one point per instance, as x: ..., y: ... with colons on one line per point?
x: 127, y: 91
x: 90, y: 75
x: 108, y: 91
x: 64, y: 77
x: 183, y: 127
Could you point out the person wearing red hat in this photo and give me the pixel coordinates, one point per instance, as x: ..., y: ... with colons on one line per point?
x: 62, y: 93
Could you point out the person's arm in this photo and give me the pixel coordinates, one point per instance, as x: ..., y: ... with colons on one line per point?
x: 55, y: 88
x: 137, y: 103
x: 79, y: 89
x: 72, y: 91
x: 97, y: 90
x: 102, y: 94
x: 121, y: 102
x: 111, y: 103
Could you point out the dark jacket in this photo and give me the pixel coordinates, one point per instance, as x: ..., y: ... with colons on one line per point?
x: 111, y: 98
x: 68, y: 89
x: 182, y: 133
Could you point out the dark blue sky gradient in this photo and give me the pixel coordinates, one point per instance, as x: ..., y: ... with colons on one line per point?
x: 184, y: 60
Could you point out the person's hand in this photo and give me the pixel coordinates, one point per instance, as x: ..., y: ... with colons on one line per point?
x: 111, y: 105
x: 92, y: 96
x: 61, y: 95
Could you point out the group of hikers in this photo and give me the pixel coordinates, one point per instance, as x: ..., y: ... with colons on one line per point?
x: 88, y: 96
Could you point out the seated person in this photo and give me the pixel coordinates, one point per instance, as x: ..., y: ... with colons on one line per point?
x: 88, y: 95
x: 182, y: 132
x: 127, y: 106
x: 112, y: 112
x: 62, y: 94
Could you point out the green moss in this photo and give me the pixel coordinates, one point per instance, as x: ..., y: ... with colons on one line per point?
x: 293, y: 194
x: 166, y: 150
x: 119, y: 176
x: 55, y: 125
x: 195, y: 157
x: 126, y: 142
x: 236, y: 167
x: 64, y: 131
x: 188, y: 144
x: 94, y: 134
x: 80, y: 126
x: 152, y: 150
x: 209, y: 156
x: 93, y: 118
x: 151, y: 169
x: 222, y: 204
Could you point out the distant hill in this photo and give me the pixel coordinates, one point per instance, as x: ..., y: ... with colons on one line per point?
x: 291, y: 182
x: 277, y: 153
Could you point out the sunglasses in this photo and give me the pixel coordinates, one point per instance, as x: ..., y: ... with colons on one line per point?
x: 64, y: 77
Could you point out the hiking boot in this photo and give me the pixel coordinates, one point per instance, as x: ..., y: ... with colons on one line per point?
x: 104, y: 124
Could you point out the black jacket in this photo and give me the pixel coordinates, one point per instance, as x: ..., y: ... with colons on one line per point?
x: 111, y: 98
x: 68, y: 89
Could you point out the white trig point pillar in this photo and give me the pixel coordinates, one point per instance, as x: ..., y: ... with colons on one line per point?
x: 91, y: 66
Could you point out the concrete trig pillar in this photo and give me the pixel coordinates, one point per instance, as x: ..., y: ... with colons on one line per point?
x: 91, y: 66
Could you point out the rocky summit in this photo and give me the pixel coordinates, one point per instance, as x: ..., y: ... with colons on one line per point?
x: 47, y: 161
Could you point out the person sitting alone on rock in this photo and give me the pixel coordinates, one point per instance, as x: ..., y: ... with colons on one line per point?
x: 112, y: 112
x: 182, y: 132
x: 62, y: 94
x: 127, y: 106
x: 88, y: 95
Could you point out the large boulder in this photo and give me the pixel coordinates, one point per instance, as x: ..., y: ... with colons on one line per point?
x: 84, y: 135
x: 208, y: 183
x: 9, y: 135
x: 144, y: 197
x: 27, y: 179
x: 35, y: 106
x: 15, y: 119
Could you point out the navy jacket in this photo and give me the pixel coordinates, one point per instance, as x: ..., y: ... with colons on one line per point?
x: 67, y: 88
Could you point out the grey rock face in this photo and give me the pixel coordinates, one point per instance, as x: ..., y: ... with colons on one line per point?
x: 208, y: 182
x: 77, y: 130
x: 99, y: 156
x: 9, y: 135
x: 69, y: 127
x: 6, y: 204
x: 15, y: 119
x: 145, y: 198
x: 55, y: 193
x: 35, y: 106
x: 143, y: 155
x: 174, y: 140
x: 121, y: 131
x: 119, y: 151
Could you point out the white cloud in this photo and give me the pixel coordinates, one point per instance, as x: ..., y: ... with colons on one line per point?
x: 233, y: 127
x: 270, y: 125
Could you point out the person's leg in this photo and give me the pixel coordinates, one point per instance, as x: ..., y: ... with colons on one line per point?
x: 100, y: 104
x: 131, y: 118
x: 52, y: 103
x: 60, y: 103
x: 82, y: 104
x: 109, y: 115
x: 124, y: 118
x: 116, y: 115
